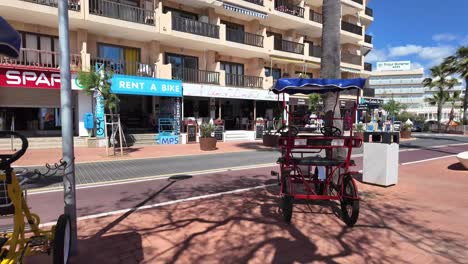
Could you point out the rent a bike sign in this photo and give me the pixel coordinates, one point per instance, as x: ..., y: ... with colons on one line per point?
x: 134, y: 85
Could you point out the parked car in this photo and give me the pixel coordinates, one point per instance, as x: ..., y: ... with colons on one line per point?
x: 417, y: 128
x: 397, y: 126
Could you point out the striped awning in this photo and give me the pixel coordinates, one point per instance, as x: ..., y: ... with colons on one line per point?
x: 244, y: 11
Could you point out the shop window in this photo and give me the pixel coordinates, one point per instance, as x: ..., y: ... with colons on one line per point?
x: 121, y: 60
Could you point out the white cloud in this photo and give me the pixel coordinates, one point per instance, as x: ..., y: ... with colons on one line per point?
x: 376, y: 55
x: 435, y: 55
x: 401, y: 51
x: 444, y: 37
x: 416, y: 65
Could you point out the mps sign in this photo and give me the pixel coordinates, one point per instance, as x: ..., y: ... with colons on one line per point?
x: 394, y: 66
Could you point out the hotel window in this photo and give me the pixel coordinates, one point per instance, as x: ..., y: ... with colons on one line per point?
x: 183, y: 67
x: 276, y: 73
x: 39, y: 49
x: 234, y: 73
x: 121, y: 60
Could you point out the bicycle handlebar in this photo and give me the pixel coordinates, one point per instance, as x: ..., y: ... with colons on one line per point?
x: 7, y: 159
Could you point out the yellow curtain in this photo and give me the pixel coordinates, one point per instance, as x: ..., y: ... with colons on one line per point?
x: 132, y: 57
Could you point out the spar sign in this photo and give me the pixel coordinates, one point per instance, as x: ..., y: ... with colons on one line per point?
x: 21, y: 78
x: 29, y: 79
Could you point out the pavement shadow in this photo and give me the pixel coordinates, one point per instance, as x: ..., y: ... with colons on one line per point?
x: 249, y: 227
x: 256, y: 146
x: 457, y: 167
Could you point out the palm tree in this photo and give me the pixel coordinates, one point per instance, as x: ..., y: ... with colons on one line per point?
x: 441, y: 80
x: 458, y: 63
x: 331, y: 59
x: 393, y: 107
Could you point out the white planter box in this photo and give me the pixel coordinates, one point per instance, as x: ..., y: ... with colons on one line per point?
x: 381, y: 163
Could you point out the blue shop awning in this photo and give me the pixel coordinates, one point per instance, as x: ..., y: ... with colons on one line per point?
x: 10, y: 39
x: 245, y: 11
x: 308, y: 86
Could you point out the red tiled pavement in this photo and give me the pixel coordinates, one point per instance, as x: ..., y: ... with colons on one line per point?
x: 41, y: 156
x: 423, y: 219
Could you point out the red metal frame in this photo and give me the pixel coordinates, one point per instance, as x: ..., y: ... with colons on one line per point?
x: 295, y: 174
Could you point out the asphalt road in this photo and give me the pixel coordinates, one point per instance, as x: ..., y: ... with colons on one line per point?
x: 104, y: 198
x: 91, y: 173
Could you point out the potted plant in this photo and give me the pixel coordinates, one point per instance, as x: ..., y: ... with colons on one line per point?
x: 406, y: 130
x: 207, y: 141
x: 359, y: 130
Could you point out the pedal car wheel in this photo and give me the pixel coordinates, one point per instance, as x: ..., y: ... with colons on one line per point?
x: 349, y: 206
x: 62, y: 240
x: 286, y: 202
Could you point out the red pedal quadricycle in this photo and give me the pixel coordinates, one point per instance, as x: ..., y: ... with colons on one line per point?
x: 310, y: 168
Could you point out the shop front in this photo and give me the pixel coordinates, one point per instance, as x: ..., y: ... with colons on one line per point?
x: 148, y: 104
x: 238, y: 107
x: 30, y: 101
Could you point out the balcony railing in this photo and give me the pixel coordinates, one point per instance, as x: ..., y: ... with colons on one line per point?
x: 367, y: 66
x: 40, y: 59
x: 121, y: 11
x: 244, y: 80
x: 244, y: 37
x: 288, y: 8
x: 369, y: 12
x: 133, y: 68
x: 317, y: 17
x: 74, y: 5
x: 359, y: 1
x: 368, y: 39
x: 351, y: 58
x: 315, y: 51
x: 346, y: 26
x: 257, y: 2
x: 195, y: 76
x: 194, y: 27
x: 289, y: 46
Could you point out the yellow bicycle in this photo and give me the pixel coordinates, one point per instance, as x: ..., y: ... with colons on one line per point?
x: 19, y: 242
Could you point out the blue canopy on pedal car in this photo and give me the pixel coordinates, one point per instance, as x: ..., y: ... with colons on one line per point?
x: 308, y: 86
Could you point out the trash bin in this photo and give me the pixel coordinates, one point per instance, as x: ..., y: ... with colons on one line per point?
x: 381, y: 155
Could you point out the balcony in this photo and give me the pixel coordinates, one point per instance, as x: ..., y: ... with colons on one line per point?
x: 30, y: 58
x: 367, y: 66
x: 244, y: 37
x: 368, y: 39
x: 351, y: 58
x: 74, y: 5
x: 289, y: 46
x: 346, y: 26
x: 359, y: 1
x: 124, y: 67
x: 243, y: 81
x: 315, y: 51
x: 316, y: 17
x: 121, y: 11
x: 288, y: 8
x: 195, y: 76
x: 369, y: 12
x: 257, y: 2
x: 194, y: 27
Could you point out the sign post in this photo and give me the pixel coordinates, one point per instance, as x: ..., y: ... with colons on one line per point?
x: 67, y: 124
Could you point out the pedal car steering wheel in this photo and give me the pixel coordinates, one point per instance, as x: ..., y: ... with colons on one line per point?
x: 330, y: 131
x: 7, y: 159
x: 286, y: 131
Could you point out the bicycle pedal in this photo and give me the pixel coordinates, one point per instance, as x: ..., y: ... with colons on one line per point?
x: 35, y: 241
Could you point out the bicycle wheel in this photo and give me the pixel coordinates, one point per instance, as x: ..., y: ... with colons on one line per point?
x: 62, y: 240
x: 286, y: 201
x: 349, y: 206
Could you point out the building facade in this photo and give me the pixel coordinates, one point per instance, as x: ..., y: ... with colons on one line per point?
x: 226, y: 53
x: 398, y: 81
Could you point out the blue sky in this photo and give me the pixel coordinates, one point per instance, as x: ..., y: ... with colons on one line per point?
x: 422, y: 31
